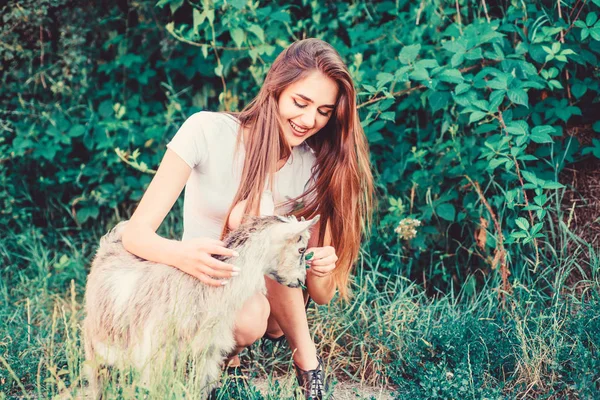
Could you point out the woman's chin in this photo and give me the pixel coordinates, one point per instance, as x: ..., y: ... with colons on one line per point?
x: 294, y: 140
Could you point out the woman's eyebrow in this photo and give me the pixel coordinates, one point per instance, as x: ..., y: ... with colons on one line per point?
x: 310, y: 101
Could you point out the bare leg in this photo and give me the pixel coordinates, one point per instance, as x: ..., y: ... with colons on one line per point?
x: 250, y: 325
x: 287, y: 308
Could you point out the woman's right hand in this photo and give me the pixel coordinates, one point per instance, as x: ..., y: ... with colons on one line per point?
x: 196, y: 259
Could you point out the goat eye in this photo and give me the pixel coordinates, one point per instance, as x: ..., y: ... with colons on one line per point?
x: 301, y: 250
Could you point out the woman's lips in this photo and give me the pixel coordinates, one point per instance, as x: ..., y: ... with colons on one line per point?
x: 298, y: 133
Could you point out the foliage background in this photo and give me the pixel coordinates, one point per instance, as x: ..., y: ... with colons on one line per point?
x: 477, y: 113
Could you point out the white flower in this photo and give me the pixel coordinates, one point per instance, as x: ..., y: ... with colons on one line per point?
x: 406, y: 228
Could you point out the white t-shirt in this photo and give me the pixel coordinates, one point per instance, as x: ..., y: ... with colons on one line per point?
x: 206, y: 142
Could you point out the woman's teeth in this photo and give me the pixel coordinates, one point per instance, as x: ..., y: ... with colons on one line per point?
x: 297, y: 129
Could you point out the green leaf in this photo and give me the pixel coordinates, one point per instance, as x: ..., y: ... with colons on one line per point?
x: 438, y: 100
x: 496, y: 99
x: 476, y: 116
x: 420, y: 74
x: 219, y: 70
x: 596, y: 126
x: 461, y: 88
x: 389, y: 116
x: 522, y: 223
x: 591, y: 19
x: 475, y: 54
x: 383, y: 78
x: 370, y: 88
x: 86, y: 213
x: 238, y: 36
x: 454, y: 47
x: 457, y: 59
x: 408, y: 54
x: 541, y: 136
x: 578, y: 90
x: 446, y: 211
x: 174, y: 5
x: 427, y: 63
x: 530, y: 177
x: 76, y: 130
x: 519, y: 96
x: 552, y: 185
x: 106, y: 109
x: 518, y: 235
x: 595, y: 32
x: 497, y: 84
x: 258, y: 31
x: 585, y: 32
x: 555, y: 84
x: 451, y: 75
x: 515, y: 129
x: 198, y: 19
x: 543, y: 129
x: 281, y: 16
x: 561, y: 58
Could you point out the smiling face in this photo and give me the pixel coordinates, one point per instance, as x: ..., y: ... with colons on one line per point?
x: 306, y: 106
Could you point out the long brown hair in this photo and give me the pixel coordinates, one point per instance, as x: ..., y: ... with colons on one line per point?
x: 343, y: 192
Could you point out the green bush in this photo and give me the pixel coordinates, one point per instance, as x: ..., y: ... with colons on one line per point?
x: 466, y: 106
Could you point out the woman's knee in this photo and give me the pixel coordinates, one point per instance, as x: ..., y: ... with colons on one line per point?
x: 251, y: 321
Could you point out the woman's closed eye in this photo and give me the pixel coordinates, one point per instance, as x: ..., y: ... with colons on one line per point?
x: 304, y: 105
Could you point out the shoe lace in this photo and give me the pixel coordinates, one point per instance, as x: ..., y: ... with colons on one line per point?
x: 316, y: 383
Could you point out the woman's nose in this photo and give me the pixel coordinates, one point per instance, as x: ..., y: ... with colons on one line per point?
x: 308, y: 118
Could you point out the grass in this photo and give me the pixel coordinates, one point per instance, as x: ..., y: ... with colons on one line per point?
x: 538, y: 343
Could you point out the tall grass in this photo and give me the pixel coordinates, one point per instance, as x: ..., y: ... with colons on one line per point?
x: 542, y: 340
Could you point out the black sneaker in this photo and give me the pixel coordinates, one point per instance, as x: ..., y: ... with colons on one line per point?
x: 312, y: 382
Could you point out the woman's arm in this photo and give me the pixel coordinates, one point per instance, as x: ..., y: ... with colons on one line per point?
x: 321, y: 288
x: 140, y: 238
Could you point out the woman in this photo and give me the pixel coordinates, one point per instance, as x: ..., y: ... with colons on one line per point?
x: 298, y: 145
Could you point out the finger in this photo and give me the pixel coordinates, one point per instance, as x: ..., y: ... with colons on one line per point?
x: 319, y: 273
x: 323, y: 269
x: 317, y: 261
x: 219, y: 265
x: 320, y: 252
x: 221, y: 250
x: 220, y: 269
x: 209, y: 281
x: 213, y: 270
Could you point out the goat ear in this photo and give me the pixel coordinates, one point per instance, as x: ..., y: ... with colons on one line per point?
x: 302, y: 226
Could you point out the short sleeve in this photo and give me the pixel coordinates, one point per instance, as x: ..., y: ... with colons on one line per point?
x: 189, y: 142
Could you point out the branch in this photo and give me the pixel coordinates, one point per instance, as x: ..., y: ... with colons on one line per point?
x: 406, y: 91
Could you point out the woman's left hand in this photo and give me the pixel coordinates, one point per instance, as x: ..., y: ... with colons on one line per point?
x: 322, y: 263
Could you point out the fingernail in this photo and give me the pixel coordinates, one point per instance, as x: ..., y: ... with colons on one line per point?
x: 235, y: 273
x: 223, y: 283
x: 236, y: 269
x: 309, y: 256
x: 236, y: 254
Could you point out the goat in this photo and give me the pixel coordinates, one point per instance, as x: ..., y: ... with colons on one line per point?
x: 136, y: 308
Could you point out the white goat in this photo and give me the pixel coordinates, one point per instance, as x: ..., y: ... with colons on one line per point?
x: 136, y: 309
